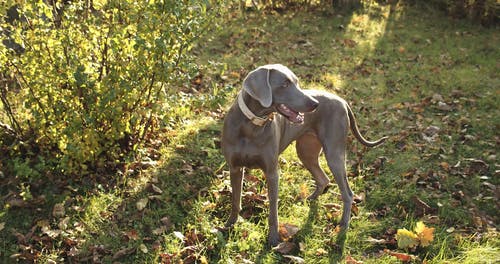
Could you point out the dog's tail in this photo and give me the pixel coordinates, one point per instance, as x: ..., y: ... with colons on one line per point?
x: 357, y: 134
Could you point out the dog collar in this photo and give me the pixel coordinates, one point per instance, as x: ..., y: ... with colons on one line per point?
x: 256, y: 120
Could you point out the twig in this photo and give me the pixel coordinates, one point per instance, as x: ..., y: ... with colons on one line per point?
x: 10, y: 114
x: 38, y: 102
x: 8, y: 129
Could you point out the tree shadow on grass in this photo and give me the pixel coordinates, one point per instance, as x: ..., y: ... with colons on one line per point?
x: 164, y: 200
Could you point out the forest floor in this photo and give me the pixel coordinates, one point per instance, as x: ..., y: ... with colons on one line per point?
x: 428, y: 82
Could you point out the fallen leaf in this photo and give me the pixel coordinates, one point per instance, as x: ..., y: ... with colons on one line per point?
x: 443, y: 106
x: 350, y: 43
x: 73, y: 252
x: 351, y: 260
x: 123, y: 252
x: 437, y: 98
x: 421, y: 207
x: 445, y: 165
x: 63, y: 224
x: 304, y: 191
x: 179, y: 235
x: 143, y: 248
x: 424, y: 233
x: 294, y: 259
x: 203, y: 260
x: 252, y: 178
x: 132, y: 234
x: 156, y: 189
x: 167, y: 257
x: 401, y: 256
x: 284, y: 247
x: 321, y: 252
x: 141, y: 204
x: 354, y: 209
x: 477, y: 166
x: 158, y: 231
x: 331, y: 206
x: 2, y: 226
x: 406, y: 239
x: 52, y: 233
x: 376, y: 241
x: 58, y: 210
x: 287, y: 231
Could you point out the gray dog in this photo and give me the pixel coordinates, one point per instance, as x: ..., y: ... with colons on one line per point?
x: 253, y: 136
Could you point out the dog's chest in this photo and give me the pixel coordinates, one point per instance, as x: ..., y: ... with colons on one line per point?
x: 250, y: 155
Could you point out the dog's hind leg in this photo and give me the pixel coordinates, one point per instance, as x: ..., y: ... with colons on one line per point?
x: 308, y: 149
x: 334, y: 141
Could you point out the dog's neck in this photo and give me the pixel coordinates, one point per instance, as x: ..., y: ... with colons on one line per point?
x: 253, y: 110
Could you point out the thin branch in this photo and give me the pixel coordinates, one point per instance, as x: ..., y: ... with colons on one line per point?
x: 10, y: 114
x: 9, y: 130
x: 38, y: 102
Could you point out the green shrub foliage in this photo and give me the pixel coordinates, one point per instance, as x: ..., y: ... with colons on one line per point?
x: 92, y: 77
x: 486, y: 12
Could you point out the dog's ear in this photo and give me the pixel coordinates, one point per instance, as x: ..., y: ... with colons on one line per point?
x: 257, y: 85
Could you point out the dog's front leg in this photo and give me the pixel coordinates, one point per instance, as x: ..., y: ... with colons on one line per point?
x: 236, y: 176
x: 272, y: 177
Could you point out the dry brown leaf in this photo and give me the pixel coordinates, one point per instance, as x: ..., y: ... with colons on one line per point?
x: 158, y: 231
x: 285, y: 247
x: 401, y: 256
x: 354, y: 209
x: 287, y: 231
x: 351, y: 260
x: 16, y: 202
x: 123, y: 252
x: 333, y: 206
x: 132, y: 234
x: 166, y: 221
x: 58, y: 210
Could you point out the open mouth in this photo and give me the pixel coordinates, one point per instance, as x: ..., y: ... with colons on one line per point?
x: 294, y: 117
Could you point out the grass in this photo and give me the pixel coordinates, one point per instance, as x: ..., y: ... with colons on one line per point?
x: 402, y: 68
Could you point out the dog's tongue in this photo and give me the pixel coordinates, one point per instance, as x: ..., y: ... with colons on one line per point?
x: 291, y: 115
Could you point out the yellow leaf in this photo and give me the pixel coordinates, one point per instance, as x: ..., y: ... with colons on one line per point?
x: 141, y: 204
x: 406, y: 239
x: 203, y: 260
x: 424, y: 233
x: 304, y: 191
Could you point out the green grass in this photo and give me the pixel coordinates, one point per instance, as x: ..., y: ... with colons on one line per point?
x: 388, y: 63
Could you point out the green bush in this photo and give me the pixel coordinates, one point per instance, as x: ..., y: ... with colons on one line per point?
x: 484, y: 11
x: 84, y: 82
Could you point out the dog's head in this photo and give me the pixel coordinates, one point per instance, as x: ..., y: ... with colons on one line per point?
x: 276, y: 86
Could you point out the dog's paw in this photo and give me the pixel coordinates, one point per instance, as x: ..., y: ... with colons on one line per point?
x: 273, y: 241
x: 231, y: 221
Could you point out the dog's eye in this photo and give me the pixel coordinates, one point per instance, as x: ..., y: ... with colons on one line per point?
x: 286, y: 83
